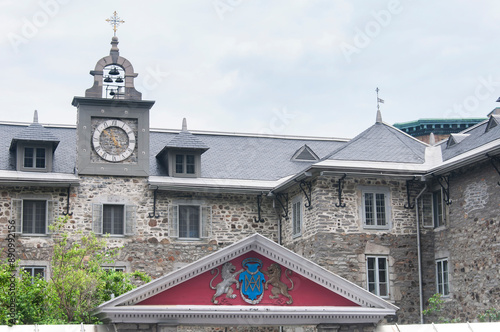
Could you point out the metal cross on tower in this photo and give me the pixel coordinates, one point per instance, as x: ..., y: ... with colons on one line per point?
x: 115, y: 21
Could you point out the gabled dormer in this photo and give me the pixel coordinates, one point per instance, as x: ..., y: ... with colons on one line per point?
x: 182, y: 154
x: 492, y: 122
x: 305, y: 153
x: 455, y: 139
x: 34, y: 148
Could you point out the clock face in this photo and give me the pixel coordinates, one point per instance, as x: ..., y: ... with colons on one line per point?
x: 113, y: 140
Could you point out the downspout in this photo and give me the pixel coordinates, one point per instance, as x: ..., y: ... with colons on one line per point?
x: 419, y: 255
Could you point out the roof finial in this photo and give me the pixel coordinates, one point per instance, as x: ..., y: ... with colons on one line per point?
x: 115, y: 21
x: 35, y: 117
x: 432, y: 139
x: 379, y: 101
x: 184, y: 125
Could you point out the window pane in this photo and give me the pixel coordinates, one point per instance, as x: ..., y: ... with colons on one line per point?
x: 296, y: 217
x: 369, y: 217
x: 371, y: 263
x: 34, y: 213
x: 380, y: 200
x: 179, y: 163
x: 383, y: 289
x: 437, y: 207
x: 39, y: 272
x: 377, y: 276
x: 40, y: 158
x: 446, y: 291
x: 112, y: 219
x: 189, y: 221
x: 190, y: 164
x: 28, y: 157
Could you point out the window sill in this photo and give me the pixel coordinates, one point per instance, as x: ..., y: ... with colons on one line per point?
x: 187, y: 239
x: 439, y: 229
x: 376, y: 228
x: 295, y: 236
x: 33, y: 235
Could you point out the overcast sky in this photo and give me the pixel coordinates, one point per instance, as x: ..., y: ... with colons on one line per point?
x: 295, y: 67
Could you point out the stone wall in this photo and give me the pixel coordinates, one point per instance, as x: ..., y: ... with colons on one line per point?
x: 334, y: 237
x: 325, y: 216
x: 470, y: 238
x: 151, y: 249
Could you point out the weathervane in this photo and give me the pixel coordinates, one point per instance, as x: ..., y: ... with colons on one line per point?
x: 115, y: 21
x: 379, y: 100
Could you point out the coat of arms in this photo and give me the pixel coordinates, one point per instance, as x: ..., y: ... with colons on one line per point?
x: 252, y: 282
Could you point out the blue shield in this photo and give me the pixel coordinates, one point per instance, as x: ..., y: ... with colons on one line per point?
x: 252, y: 281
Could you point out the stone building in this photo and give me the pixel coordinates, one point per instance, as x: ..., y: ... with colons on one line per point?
x: 389, y: 218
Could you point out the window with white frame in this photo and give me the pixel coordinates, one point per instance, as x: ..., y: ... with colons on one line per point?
x: 114, y: 268
x: 113, y: 219
x: 33, y: 216
x: 442, y: 281
x: 185, y: 164
x: 376, y: 210
x: 438, y: 208
x: 190, y: 221
x: 377, y: 269
x: 297, y: 216
x: 34, y: 271
x: 34, y: 157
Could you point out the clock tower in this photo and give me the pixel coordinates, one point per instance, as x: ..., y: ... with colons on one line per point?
x: 113, y: 121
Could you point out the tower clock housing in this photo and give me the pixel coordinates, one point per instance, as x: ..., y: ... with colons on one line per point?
x: 113, y: 121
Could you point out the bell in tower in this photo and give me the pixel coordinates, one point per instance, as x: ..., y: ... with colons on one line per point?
x: 114, y: 75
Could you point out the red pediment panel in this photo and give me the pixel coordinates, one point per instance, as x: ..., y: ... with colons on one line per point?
x: 253, y: 273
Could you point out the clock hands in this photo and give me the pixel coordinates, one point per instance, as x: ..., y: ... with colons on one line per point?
x: 110, y: 134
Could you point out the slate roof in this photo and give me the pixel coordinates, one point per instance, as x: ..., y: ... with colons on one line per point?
x: 477, y: 136
x: 246, y: 157
x: 230, y: 156
x: 64, y: 155
x: 35, y: 132
x: 383, y: 143
x: 186, y: 140
x: 253, y: 157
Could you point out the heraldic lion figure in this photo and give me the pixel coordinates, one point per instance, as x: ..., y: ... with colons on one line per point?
x: 279, y: 287
x: 228, y: 278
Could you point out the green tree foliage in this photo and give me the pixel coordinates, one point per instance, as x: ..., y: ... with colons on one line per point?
x: 77, y: 284
x: 490, y: 315
x: 29, y: 294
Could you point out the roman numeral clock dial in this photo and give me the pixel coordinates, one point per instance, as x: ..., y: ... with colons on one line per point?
x: 114, y: 140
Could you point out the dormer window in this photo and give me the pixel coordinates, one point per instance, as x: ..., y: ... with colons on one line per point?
x: 185, y: 164
x: 182, y: 155
x: 305, y: 153
x: 492, y: 122
x: 34, y: 148
x: 34, y: 158
x: 455, y: 139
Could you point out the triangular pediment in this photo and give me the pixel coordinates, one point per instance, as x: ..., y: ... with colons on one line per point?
x: 304, y: 293
x: 492, y: 122
x: 455, y: 139
x: 305, y: 153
